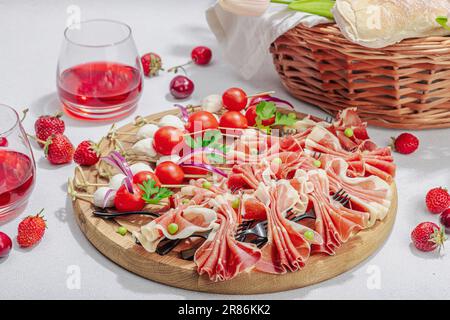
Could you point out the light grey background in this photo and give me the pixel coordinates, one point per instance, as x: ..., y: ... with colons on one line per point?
x: 30, y: 37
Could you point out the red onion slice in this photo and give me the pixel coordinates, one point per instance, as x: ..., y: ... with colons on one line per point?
x: 200, y: 150
x: 273, y: 99
x: 108, y: 195
x: 206, y: 167
x: 184, y: 112
x: 116, y: 160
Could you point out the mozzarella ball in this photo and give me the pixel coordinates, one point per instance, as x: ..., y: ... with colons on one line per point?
x: 147, y: 131
x: 99, y: 197
x: 144, y: 147
x: 212, y: 103
x: 138, y: 167
x: 174, y: 158
x: 116, y: 181
x: 171, y: 120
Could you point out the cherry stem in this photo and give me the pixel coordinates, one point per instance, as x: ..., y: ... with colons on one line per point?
x: 175, y: 69
x: 24, y: 114
x: 36, y: 139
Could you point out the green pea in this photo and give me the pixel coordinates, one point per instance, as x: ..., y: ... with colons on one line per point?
x: 348, y: 132
x: 309, y: 235
x: 206, y: 185
x: 317, y: 163
x: 277, y: 161
x: 172, y: 228
x: 122, y: 231
x: 235, y: 203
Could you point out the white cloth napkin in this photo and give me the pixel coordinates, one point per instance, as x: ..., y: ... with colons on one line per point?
x: 245, y: 41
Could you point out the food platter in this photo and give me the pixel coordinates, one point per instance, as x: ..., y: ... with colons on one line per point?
x: 174, y: 271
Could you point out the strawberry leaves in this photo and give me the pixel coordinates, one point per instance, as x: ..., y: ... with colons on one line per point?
x: 152, y: 193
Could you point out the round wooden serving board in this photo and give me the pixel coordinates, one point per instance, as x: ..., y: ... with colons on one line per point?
x: 174, y: 271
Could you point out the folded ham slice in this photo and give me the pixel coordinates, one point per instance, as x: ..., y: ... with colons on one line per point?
x: 190, y: 219
x: 334, y: 222
x: 287, y: 249
x: 221, y: 256
x: 371, y: 194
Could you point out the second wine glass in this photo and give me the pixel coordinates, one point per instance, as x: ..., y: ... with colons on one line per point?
x: 99, y: 75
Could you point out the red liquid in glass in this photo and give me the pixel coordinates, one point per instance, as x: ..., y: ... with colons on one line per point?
x: 100, y: 85
x: 16, y: 177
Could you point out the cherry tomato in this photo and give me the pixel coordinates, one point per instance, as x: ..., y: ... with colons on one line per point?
x: 234, y: 99
x: 201, y: 120
x: 254, y: 210
x: 233, y: 120
x: 250, y: 114
x: 126, y: 201
x: 201, y: 55
x: 196, y: 158
x: 166, y: 139
x: 142, y: 176
x: 169, y: 172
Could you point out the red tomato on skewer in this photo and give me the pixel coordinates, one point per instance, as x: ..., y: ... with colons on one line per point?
x: 169, y: 172
x: 127, y: 201
x: 166, y: 139
x: 233, y: 120
x: 202, y: 120
x: 142, y: 176
x: 234, y: 99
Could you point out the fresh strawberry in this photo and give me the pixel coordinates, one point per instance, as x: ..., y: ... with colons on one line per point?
x: 151, y: 63
x: 58, y: 149
x: 437, y: 200
x: 428, y: 236
x: 31, y: 230
x: 405, y: 143
x: 45, y: 126
x: 87, y: 153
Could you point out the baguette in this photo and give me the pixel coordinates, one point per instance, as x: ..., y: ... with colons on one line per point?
x: 380, y: 23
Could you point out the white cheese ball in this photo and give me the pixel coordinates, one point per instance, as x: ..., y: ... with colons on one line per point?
x: 174, y: 158
x: 116, y: 181
x: 147, y: 131
x: 171, y: 120
x: 212, y: 103
x: 144, y: 147
x: 138, y: 167
x: 99, y: 197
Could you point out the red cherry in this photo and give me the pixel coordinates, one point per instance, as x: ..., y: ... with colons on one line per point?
x: 201, y: 55
x: 5, y: 244
x: 3, y: 142
x: 181, y: 87
x: 445, y: 219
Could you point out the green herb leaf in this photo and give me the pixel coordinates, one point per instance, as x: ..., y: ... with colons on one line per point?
x: 443, y: 21
x: 265, y: 110
x: 282, y: 119
x: 152, y: 193
x: 318, y: 7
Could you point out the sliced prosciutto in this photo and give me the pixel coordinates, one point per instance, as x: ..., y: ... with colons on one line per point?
x: 221, y: 256
x: 370, y: 194
x: 334, y: 222
x: 189, y: 220
x: 287, y: 248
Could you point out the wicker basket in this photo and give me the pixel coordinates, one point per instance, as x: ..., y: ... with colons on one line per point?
x: 406, y: 85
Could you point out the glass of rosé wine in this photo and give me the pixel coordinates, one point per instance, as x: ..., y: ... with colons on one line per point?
x: 99, y: 74
x: 17, y: 166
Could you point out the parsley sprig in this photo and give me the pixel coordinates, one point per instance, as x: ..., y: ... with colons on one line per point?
x: 152, y: 193
x: 212, y: 139
x: 266, y: 110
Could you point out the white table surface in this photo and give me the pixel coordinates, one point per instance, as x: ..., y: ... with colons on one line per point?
x: 30, y: 38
